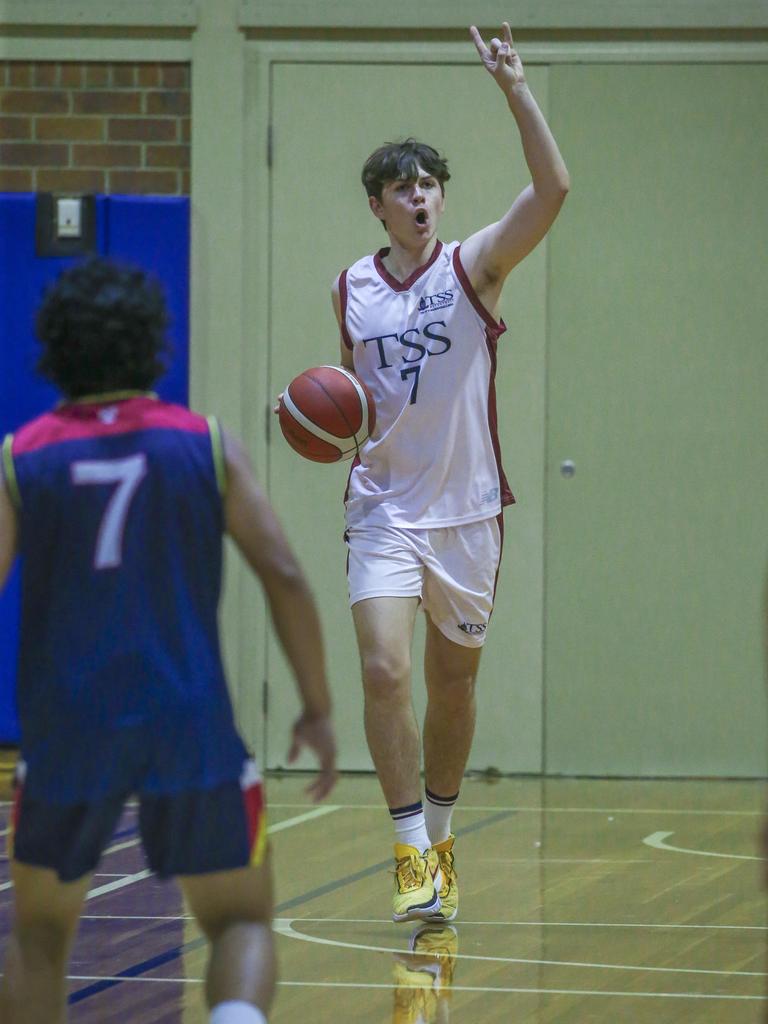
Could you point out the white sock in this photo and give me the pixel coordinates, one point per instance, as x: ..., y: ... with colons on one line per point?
x: 236, y: 1011
x: 437, y: 813
x: 410, y: 826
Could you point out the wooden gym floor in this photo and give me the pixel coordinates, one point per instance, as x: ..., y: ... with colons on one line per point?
x: 583, y: 901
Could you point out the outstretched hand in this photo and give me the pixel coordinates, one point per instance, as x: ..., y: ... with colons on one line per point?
x: 500, y: 57
x: 316, y: 734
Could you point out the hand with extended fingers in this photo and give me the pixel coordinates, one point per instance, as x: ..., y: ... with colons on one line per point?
x: 500, y: 58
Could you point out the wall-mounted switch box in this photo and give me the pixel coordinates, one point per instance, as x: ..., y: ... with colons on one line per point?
x: 65, y: 225
x: 69, y: 217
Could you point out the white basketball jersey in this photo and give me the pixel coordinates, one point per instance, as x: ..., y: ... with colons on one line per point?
x: 426, y: 348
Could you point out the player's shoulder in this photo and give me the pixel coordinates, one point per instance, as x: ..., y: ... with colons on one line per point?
x: 170, y: 415
x: 361, y: 269
x: 35, y: 433
x: 449, y: 251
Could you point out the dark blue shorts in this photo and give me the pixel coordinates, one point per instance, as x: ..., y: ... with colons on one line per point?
x: 187, y: 833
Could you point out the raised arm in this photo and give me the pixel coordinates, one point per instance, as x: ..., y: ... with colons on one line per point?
x: 253, y: 526
x: 490, y: 254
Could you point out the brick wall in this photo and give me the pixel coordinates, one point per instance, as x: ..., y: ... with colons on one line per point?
x: 94, y: 127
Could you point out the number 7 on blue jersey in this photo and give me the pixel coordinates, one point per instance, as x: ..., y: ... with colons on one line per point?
x: 126, y: 476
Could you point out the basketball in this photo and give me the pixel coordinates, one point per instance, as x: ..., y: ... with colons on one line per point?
x: 326, y: 414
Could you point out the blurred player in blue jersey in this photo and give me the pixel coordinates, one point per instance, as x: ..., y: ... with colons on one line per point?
x: 118, y: 503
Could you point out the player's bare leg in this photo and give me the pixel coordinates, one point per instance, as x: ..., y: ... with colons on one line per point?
x: 450, y: 671
x: 384, y: 633
x: 46, y: 913
x: 384, y: 627
x: 234, y: 909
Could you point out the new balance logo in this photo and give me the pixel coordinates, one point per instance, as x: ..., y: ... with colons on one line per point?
x: 473, y: 628
x: 429, y: 302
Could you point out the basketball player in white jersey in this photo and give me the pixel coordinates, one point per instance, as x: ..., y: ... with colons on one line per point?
x: 419, y: 325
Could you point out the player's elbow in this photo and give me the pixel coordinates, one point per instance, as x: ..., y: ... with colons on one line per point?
x: 556, y: 188
x: 283, y: 575
x: 559, y: 188
x: 554, y: 196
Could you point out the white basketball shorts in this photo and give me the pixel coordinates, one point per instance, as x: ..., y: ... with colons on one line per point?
x: 453, y: 569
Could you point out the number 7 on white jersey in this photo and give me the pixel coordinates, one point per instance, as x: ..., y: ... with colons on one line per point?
x: 125, y: 475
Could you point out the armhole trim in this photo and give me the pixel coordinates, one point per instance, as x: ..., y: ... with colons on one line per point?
x: 217, y: 448
x: 496, y: 328
x: 343, y: 304
x: 9, y: 471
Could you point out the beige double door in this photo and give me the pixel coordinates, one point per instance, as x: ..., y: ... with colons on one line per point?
x: 657, y: 371
x: 626, y: 637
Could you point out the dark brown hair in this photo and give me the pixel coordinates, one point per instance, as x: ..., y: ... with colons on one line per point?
x: 396, y: 161
x: 102, y: 327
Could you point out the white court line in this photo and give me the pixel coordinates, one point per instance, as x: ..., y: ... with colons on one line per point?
x: 564, y: 860
x: 139, y: 876
x: 284, y: 926
x: 549, y: 924
x: 317, y: 812
x: 119, y: 883
x: 141, y: 917
x: 539, y: 810
x: 561, y: 810
x: 464, y: 924
x: 490, y: 990
x: 658, y: 841
x: 121, y: 846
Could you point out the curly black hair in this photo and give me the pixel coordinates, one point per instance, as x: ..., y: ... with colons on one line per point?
x: 399, y: 160
x: 102, y: 326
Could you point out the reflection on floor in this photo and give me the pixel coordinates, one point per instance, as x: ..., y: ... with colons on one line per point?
x: 582, y: 901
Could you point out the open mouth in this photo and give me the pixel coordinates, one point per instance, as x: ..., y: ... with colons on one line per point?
x: 421, y: 217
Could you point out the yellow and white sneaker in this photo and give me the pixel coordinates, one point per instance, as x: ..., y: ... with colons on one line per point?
x: 449, y: 891
x: 418, y: 880
x: 424, y: 975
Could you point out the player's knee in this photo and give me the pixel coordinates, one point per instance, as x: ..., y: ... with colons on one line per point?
x: 456, y: 688
x: 230, y: 922
x: 244, y: 908
x: 44, y: 939
x: 386, y: 677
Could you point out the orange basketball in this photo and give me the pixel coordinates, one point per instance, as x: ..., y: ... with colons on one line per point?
x: 326, y: 414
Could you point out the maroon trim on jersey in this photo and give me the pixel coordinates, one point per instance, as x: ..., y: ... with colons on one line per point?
x: 352, y: 468
x: 493, y: 331
x: 491, y: 324
x: 409, y: 282
x: 491, y: 338
x: 343, y: 303
x: 77, y: 421
x: 500, y: 524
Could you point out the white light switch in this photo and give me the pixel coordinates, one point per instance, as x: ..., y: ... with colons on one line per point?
x: 69, y: 218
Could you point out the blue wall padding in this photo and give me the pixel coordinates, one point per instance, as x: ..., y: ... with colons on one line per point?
x: 152, y: 232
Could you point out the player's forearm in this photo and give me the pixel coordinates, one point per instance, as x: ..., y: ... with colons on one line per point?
x: 298, y: 629
x: 548, y: 171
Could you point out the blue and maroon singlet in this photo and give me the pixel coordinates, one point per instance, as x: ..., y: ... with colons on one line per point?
x: 120, y: 684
